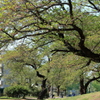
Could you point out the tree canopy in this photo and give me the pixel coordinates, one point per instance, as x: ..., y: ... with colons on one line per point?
x: 72, y: 22
x: 46, y: 27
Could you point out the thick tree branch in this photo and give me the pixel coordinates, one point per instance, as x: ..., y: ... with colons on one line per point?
x: 98, y: 9
x: 70, y: 9
x: 40, y: 75
x: 84, y: 50
x: 89, y: 81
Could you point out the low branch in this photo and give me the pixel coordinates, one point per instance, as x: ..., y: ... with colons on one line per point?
x: 93, y: 79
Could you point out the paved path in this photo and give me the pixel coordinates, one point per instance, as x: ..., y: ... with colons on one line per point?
x: 31, y: 98
x: 27, y: 98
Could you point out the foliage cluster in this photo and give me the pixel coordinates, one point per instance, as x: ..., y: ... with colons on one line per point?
x: 96, y: 85
x: 16, y: 91
x: 34, y: 91
x: 42, y: 28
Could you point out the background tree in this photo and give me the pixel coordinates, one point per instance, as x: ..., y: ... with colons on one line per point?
x: 22, y: 58
x: 87, y: 76
x: 17, y: 75
x: 95, y: 86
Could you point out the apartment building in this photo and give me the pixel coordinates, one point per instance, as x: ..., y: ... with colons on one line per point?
x: 2, y: 81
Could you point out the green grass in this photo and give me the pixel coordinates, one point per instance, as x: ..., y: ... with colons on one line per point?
x: 9, y: 98
x: 5, y: 97
x: 90, y: 96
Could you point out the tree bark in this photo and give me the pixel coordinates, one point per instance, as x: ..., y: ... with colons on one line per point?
x: 43, y: 92
x: 82, y: 87
x: 58, y: 90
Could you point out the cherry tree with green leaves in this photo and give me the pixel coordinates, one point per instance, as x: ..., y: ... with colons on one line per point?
x: 51, y: 20
x: 41, y: 23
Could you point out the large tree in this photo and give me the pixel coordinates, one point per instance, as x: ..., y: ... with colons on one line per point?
x: 18, y: 62
x: 72, y: 22
x: 43, y: 22
x: 63, y: 71
x: 87, y: 76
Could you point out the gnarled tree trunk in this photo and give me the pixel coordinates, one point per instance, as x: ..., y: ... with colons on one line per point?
x: 43, y: 92
x: 82, y: 87
x: 58, y: 90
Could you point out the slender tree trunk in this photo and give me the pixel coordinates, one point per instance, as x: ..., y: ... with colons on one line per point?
x: 58, y: 90
x: 82, y: 87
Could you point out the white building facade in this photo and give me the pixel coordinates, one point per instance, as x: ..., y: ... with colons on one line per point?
x: 2, y: 81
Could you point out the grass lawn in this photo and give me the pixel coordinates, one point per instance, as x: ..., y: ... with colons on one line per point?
x: 10, y: 98
x: 90, y: 96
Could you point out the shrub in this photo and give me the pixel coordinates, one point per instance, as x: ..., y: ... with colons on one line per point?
x: 16, y: 91
x: 35, y: 91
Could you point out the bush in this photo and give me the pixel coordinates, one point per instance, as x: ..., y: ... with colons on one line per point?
x: 35, y: 91
x: 16, y: 91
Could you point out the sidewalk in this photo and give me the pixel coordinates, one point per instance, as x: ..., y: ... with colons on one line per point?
x: 30, y: 98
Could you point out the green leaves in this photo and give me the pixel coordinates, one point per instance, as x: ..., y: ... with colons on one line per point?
x: 16, y: 91
x: 43, y: 26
